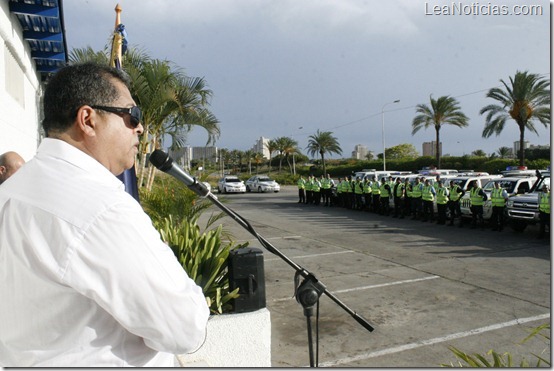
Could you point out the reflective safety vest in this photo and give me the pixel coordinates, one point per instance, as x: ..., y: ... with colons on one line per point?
x: 455, y: 193
x: 326, y: 183
x: 399, y: 189
x: 358, y: 188
x: 309, y: 185
x: 301, y: 183
x: 442, y: 196
x: 427, y: 195
x: 375, y: 188
x: 544, y: 204
x: 339, y: 187
x: 496, y: 197
x: 316, y: 186
x: 384, y: 191
x: 416, y: 191
x: 367, y: 187
x: 475, y: 198
x: 408, y: 190
x: 346, y: 187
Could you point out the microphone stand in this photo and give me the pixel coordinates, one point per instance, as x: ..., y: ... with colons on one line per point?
x: 308, y: 291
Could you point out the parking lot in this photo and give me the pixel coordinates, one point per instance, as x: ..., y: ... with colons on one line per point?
x: 423, y: 287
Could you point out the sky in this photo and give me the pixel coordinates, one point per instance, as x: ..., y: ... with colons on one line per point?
x: 292, y: 67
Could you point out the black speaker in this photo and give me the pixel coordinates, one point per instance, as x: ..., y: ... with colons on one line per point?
x: 246, y: 271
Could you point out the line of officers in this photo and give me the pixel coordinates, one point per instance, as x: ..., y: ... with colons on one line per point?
x: 409, y: 199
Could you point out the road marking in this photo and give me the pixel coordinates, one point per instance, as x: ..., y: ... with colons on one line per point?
x: 313, y: 256
x: 386, y: 284
x: 372, y: 286
x: 437, y: 340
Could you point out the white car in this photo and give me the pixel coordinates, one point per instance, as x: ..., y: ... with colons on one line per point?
x: 262, y: 183
x: 230, y: 184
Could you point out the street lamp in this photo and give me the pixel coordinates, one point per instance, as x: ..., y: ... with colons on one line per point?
x: 293, y: 164
x: 383, y: 130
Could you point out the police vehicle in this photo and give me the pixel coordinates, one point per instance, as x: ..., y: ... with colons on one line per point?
x: 512, y: 185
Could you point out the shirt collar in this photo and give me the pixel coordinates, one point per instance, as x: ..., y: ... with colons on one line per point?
x: 59, y: 149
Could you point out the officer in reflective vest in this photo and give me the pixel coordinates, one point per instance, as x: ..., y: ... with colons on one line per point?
x: 416, y: 198
x: 455, y: 194
x: 326, y: 189
x: 375, y: 193
x: 339, y: 192
x: 544, y: 210
x: 477, y: 199
x: 367, y: 194
x: 347, y: 191
x: 442, y: 200
x: 398, y: 192
x: 428, y: 197
x: 384, y: 192
x: 301, y: 190
x: 316, y: 189
x: 407, y: 209
x: 309, y: 191
x: 499, y: 196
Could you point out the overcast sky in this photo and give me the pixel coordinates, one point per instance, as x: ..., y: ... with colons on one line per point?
x: 276, y: 66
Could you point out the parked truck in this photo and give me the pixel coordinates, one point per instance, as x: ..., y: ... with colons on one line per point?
x: 523, y: 209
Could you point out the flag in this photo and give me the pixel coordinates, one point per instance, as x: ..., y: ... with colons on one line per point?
x: 119, y: 47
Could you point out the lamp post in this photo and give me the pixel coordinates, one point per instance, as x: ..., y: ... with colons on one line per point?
x: 293, y: 163
x: 383, y: 130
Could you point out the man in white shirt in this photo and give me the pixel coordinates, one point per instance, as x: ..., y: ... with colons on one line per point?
x: 85, y: 278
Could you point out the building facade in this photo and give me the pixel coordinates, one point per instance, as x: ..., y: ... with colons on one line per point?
x: 360, y: 152
x: 430, y: 148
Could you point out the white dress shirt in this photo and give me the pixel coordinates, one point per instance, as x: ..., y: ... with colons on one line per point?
x: 85, y: 279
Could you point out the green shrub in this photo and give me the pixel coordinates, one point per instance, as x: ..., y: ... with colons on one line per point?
x: 502, y: 360
x: 204, y: 258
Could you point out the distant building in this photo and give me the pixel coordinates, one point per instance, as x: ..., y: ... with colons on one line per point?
x: 182, y: 157
x: 261, y: 147
x: 430, y: 149
x: 360, y: 152
x: 202, y: 155
x: 516, y: 146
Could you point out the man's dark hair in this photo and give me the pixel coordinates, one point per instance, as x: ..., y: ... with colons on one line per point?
x: 74, y: 86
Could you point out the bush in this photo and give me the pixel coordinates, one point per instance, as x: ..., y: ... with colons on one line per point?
x: 502, y: 360
x: 204, y: 258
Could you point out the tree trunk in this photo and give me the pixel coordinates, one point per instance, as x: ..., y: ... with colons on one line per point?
x: 323, y: 163
x: 521, y: 142
x: 438, y: 146
x: 145, y: 150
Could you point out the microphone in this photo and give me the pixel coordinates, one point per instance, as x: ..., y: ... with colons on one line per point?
x: 163, y: 162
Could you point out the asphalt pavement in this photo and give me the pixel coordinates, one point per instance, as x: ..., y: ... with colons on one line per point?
x: 422, y: 286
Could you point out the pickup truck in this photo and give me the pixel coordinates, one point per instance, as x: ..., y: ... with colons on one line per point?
x: 523, y: 210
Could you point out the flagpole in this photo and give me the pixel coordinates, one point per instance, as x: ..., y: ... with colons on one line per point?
x: 129, y: 176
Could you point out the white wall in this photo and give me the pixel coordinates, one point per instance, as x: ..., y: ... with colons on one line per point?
x: 20, y: 89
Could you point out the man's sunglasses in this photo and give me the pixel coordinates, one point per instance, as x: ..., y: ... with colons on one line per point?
x: 134, y: 112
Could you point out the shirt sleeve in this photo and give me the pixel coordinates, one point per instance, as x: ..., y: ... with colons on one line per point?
x: 121, y: 263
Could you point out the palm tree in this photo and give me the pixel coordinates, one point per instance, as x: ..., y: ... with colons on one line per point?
x: 271, y: 146
x: 249, y: 154
x: 289, y: 149
x: 504, y: 152
x: 258, y: 159
x: 526, y: 100
x: 322, y: 143
x: 445, y: 110
x: 479, y: 153
x: 171, y: 102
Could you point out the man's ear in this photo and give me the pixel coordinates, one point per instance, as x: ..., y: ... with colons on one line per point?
x: 87, y: 119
